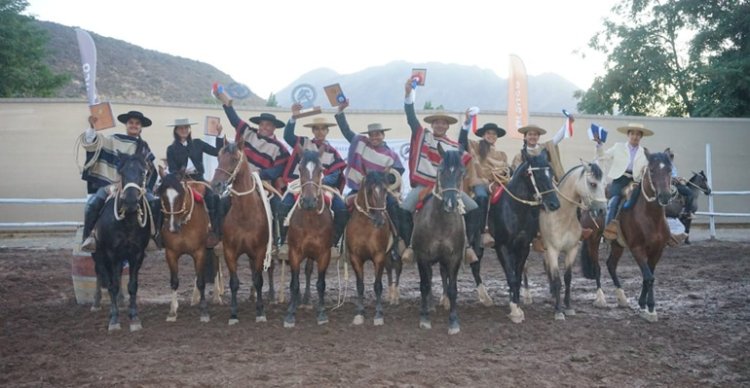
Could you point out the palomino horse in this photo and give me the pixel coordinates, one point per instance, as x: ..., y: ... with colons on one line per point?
x: 514, y: 220
x: 698, y: 183
x: 184, y: 232
x: 310, y: 234
x: 440, y: 237
x: 644, y: 230
x: 580, y: 188
x: 368, y: 237
x: 123, y: 231
x: 247, y: 225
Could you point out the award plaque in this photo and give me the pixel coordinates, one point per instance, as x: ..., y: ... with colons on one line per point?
x: 335, y: 94
x: 418, y: 76
x: 211, y: 126
x: 104, y: 117
x: 305, y: 95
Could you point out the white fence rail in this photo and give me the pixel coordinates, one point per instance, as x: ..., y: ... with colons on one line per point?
x: 41, y: 201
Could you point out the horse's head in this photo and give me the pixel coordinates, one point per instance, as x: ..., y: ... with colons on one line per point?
x: 659, y: 175
x: 374, y: 188
x: 700, y: 181
x: 172, y: 192
x: 230, y: 158
x: 450, y: 176
x: 591, y: 188
x: 310, y: 178
x: 539, y: 174
x: 133, y: 170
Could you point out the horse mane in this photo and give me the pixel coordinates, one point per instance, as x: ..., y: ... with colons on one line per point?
x: 230, y: 147
x: 451, y: 159
x: 310, y: 156
x: 173, y: 180
x: 375, y: 178
x: 660, y: 157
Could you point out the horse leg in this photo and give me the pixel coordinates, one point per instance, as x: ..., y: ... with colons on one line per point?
x: 393, y: 282
x: 484, y: 297
x: 323, y: 261
x: 444, y: 279
x: 358, y: 267
x: 553, y: 274
x: 525, y: 291
x: 379, y: 263
x: 199, y: 260
x: 687, y: 223
x: 97, y: 305
x: 271, y: 288
x: 570, y: 258
x: 517, y: 316
x: 174, y: 282
x: 294, y: 264
x: 425, y: 288
x: 615, y: 253
x: 257, y: 262
x: 114, y: 289
x: 308, y: 274
x: 230, y: 259
x: 135, y: 266
x: 453, y: 325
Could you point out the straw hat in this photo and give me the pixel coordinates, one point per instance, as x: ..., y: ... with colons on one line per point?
x: 440, y: 116
x: 532, y: 127
x: 636, y: 127
x: 145, y: 121
x: 181, y: 123
x: 320, y: 122
x: 375, y: 127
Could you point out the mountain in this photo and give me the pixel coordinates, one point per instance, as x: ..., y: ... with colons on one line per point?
x: 453, y: 86
x: 130, y: 73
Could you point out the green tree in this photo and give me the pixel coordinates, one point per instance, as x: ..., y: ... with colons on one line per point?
x: 22, y: 53
x: 428, y: 105
x: 650, y: 72
x: 272, y: 101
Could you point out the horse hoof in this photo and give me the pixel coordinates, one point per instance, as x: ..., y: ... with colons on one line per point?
x: 622, y: 300
x: 516, y: 314
x: 570, y: 312
x: 172, y: 318
x: 135, y: 326
x: 358, y: 320
x: 648, y: 316
x: 95, y: 308
x: 600, y: 302
x: 484, y: 297
x: 445, y: 302
x: 454, y: 330
x: 322, y: 321
x: 378, y: 321
x: 558, y: 317
x: 260, y: 318
x: 526, y: 296
x: 288, y: 325
x: 205, y: 318
x: 233, y: 321
x: 423, y: 324
x: 113, y: 327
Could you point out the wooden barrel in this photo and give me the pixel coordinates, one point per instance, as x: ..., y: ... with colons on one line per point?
x: 84, y: 279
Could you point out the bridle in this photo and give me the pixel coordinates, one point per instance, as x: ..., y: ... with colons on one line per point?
x: 586, y: 200
x: 368, y: 208
x: 233, y: 176
x: 143, y: 210
x: 188, y: 192
x: 318, y: 186
x: 537, y: 194
x: 438, y: 190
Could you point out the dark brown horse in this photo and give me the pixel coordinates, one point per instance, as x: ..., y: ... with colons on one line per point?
x: 310, y: 234
x: 644, y: 230
x: 368, y: 237
x: 184, y: 231
x: 246, y: 228
x: 697, y: 184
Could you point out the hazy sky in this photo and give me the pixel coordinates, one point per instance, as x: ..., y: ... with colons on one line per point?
x: 268, y: 44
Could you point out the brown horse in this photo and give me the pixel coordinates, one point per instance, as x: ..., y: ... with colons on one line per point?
x: 368, y: 237
x: 310, y: 234
x: 644, y: 230
x: 184, y: 232
x: 246, y: 228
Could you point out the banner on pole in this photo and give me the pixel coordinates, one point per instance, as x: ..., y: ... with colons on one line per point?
x: 518, y: 97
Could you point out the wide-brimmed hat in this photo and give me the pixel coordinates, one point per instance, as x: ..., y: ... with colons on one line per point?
x: 320, y: 122
x: 440, y: 116
x: 181, y: 123
x: 490, y: 127
x: 532, y: 127
x: 636, y: 127
x: 145, y: 121
x: 267, y: 117
x: 375, y: 127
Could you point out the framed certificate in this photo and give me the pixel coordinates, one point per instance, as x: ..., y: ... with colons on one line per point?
x: 211, y: 126
x: 103, y: 114
x: 420, y: 75
x: 335, y: 94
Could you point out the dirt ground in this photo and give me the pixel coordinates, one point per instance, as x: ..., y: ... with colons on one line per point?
x: 702, y: 337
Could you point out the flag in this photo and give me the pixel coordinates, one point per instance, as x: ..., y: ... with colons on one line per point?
x: 88, y: 64
x: 598, y: 132
x: 518, y: 104
x: 567, y: 127
x: 474, y: 124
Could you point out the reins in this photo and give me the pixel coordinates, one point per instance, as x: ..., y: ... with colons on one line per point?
x: 188, y: 213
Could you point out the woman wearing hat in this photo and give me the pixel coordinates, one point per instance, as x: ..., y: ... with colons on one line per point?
x: 100, y: 172
x: 531, y: 134
x: 487, y: 163
x: 333, y: 165
x: 187, y: 153
x: 624, y: 163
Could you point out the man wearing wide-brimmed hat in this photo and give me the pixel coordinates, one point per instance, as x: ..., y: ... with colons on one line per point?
x: 99, y: 171
x: 187, y: 153
x: 330, y: 159
x: 624, y: 163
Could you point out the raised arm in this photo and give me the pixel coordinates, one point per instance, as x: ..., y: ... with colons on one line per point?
x: 341, y: 121
x: 411, y: 115
x: 213, y: 150
x: 289, y: 136
x: 463, y: 137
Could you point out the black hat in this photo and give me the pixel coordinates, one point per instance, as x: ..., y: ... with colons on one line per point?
x: 267, y: 117
x: 145, y: 121
x: 490, y: 127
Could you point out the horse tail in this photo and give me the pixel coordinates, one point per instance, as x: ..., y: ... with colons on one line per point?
x: 587, y: 262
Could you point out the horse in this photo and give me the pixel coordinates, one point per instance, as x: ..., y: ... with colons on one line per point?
x: 514, y: 220
x: 590, y: 254
x: 439, y: 237
x: 698, y: 183
x: 123, y: 232
x: 247, y: 225
x: 368, y: 236
x: 310, y: 234
x: 561, y: 230
x: 644, y: 230
x: 184, y: 232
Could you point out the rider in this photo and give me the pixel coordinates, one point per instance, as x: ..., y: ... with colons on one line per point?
x: 531, y: 134
x: 425, y: 159
x: 101, y: 172
x: 680, y: 184
x: 625, y: 163
x: 263, y: 150
x: 333, y: 166
x: 369, y: 151
x: 489, y: 164
x: 186, y: 153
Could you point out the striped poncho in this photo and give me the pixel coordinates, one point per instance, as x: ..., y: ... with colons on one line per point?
x: 103, y: 171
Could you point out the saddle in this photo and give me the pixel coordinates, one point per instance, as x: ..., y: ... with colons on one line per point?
x: 423, y: 196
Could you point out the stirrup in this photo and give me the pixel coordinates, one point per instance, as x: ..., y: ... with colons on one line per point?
x: 537, y: 244
x: 612, y: 230
x: 470, y: 256
x: 89, y: 244
x: 487, y: 240
x: 408, y: 255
